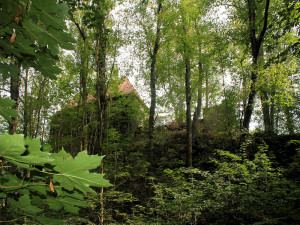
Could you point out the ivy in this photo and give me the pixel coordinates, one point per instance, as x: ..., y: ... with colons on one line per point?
x: 34, y: 181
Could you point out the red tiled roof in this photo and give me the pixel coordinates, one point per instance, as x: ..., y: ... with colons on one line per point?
x: 125, y: 88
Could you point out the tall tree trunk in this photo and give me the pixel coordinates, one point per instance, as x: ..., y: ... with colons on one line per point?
x: 272, y: 113
x: 289, y: 121
x: 35, y: 126
x: 206, y: 92
x: 266, y: 111
x: 189, y: 144
x: 264, y: 98
x: 15, y: 96
x: 84, y: 94
x: 101, y: 90
x: 256, y: 41
x: 153, y: 82
x: 83, y: 84
x: 197, y: 113
x: 25, y: 125
x: 180, y: 107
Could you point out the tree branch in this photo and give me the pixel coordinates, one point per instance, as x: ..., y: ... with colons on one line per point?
x: 262, y: 34
x: 81, y: 31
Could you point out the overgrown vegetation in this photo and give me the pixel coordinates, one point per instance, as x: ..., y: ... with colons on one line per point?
x: 219, y: 143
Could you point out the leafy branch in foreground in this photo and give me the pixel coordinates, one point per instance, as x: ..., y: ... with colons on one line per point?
x: 34, y: 181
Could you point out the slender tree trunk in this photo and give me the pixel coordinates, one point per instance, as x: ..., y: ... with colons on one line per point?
x: 180, y: 107
x: 272, y: 113
x: 14, y: 95
x: 256, y: 41
x: 84, y: 95
x: 25, y: 125
x: 206, y: 91
x: 153, y: 81
x: 39, y: 106
x: 101, y: 91
x: 266, y: 111
x: 83, y: 84
x: 189, y: 144
x: 44, y: 122
x: 197, y: 113
x: 289, y: 121
x: 38, y: 122
x: 30, y: 116
x: 264, y: 98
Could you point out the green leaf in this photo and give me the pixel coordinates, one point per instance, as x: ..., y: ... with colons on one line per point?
x: 50, y: 13
x: 36, y: 156
x: 74, y: 172
x: 23, y: 45
x: 49, y: 221
x: 46, y: 65
x: 8, y: 70
x: 11, y: 148
x: 41, y: 188
x: 25, y: 205
x: 55, y: 38
x: 11, y: 7
x: 35, y: 32
x: 10, y: 182
x: 5, y: 109
x: 69, y: 201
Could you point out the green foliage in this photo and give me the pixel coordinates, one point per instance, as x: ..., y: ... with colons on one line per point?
x: 5, y: 109
x: 238, y: 191
x: 125, y: 113
x: 32, y: 32
x: 35, y: 183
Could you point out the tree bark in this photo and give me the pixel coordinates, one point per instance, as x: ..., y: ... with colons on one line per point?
x: 266, y: 111
x: 101, y: 88
x: 25, y: 124
x: 153, y: 81
x: 289, y: 121
x: 255, y: 48
x: 206, y: 92
x: 189, y: 144
x: 84, y: 94
x: 197, y: 113
x: 39, y: 105
x: 15, y: 96
x: 180, y: 107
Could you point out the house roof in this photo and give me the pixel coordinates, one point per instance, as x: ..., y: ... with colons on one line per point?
x: 124, y: 88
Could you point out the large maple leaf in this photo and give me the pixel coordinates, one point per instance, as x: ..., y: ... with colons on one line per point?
x: 75, y: 172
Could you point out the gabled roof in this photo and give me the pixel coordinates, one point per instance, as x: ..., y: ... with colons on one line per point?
x: 125, y: 88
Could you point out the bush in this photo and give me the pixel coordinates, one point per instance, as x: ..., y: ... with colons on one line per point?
x: 239, y: 191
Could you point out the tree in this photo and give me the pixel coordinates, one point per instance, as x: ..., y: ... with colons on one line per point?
x: 153, y: 56
x: 256, y: 40
x: 32, y: 32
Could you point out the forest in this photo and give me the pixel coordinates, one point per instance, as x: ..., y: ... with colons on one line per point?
x: 150, y: 112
